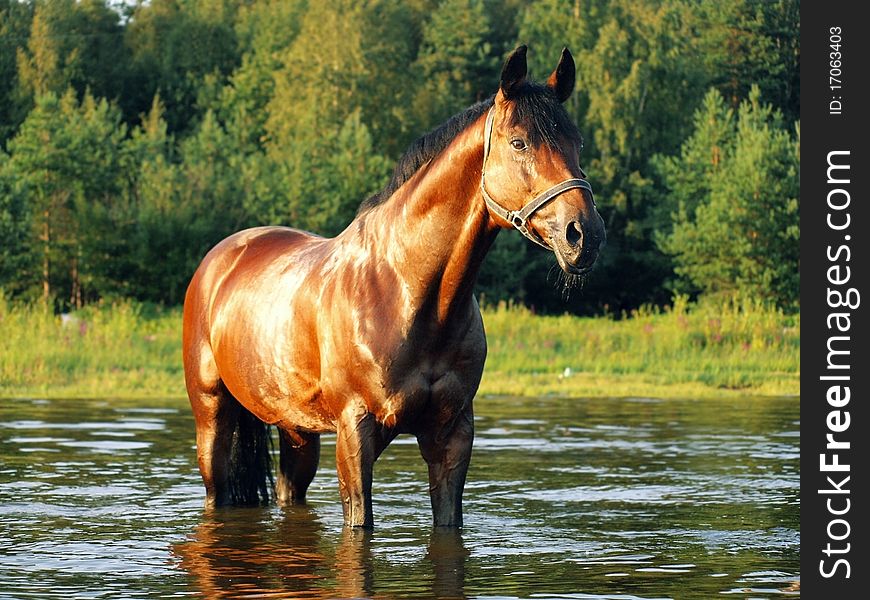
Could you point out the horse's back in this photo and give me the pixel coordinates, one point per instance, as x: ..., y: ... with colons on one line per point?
x: 259, y: 246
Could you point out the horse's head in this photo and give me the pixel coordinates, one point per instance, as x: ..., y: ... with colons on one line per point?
x: 531, y: 176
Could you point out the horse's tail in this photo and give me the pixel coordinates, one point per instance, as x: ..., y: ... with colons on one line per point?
x: 250, y: 472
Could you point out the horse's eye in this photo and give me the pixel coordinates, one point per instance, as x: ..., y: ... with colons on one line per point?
x: 518, y: 144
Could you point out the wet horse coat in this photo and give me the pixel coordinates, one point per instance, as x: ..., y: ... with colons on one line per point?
x: 376, y: 332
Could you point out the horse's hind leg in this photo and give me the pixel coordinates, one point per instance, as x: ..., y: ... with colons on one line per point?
x: 447, y: 452
x: 215, y: 414
x: 300, y: 454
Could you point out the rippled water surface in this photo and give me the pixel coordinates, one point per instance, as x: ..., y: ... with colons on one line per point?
x: 616, y: 498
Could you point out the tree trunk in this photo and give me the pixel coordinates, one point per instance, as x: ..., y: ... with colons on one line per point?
x: 75, y: 297
x: 46, y: 248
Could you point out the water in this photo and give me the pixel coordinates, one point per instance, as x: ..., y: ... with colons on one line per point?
x: 615, y: 498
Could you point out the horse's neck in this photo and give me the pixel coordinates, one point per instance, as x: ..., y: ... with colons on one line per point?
x: 435, y: 230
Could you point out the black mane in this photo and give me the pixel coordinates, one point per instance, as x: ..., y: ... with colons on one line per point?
x: 535, y: 108
x: 424, y: 149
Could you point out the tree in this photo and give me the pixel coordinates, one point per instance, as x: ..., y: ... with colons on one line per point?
x: 642, y: 68
x: 317, y: 119
x: 265, y: 31
x: 753, y: 42
x: 18, y: 263
x: 65, y: 163
x: 179, y: 49
x: 15, y: 19
x: 184, y: 197
x: 73, y: 44
x: 268, y: 26
x: 508, y: 265
x: 347, y: 56
x: 736, y: 186
x: 456, y: 64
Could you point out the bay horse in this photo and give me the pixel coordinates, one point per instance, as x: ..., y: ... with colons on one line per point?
x: 376, y: 332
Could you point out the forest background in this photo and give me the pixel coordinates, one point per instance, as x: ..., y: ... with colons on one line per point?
x: 134, y: 137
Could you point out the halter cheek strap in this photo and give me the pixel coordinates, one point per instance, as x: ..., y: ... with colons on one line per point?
x: 520, y: 218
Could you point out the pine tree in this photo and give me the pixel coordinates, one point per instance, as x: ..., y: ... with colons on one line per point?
x: 736, y: 228
x: 77, y: 44
x: 15, y: 20
x: 65, y: 161
x: 18, y: 259
x: 346, y: 63
x: 183, y: 51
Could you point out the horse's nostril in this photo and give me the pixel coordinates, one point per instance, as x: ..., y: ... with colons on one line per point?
x: 574, y: 233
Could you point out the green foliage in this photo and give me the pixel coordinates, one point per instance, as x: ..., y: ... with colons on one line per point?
x: 175, y: 47
x: 268, y: 26
x: 347, y: 56
x: 319, y: 151
x: 186, y: 201
x: 72, y: 44
x: 63, y: 165
x: 642, y: 70
x: 133, y: 142
x: 16, y: 254
x: 15, y: 19
x: 736, y: 185
x: 753, y: 42
x: 509, y: 262
x: 456, y: 64
x: 353, y: 171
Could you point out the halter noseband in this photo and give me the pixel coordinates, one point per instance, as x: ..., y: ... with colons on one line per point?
x: 520, y: 218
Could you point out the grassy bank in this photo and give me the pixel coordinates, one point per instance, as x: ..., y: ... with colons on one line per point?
x: 711, y: 350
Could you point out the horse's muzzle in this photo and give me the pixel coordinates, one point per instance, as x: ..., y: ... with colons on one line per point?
x: 578, y: 242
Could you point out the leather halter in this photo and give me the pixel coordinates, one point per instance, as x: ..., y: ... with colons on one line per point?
x: 520, y: 218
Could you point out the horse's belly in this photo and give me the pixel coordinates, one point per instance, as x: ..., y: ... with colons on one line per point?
x: 280, y: 395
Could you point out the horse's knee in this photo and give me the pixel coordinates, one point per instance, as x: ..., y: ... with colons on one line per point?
x: 358, y: 444
x: 447, y: 452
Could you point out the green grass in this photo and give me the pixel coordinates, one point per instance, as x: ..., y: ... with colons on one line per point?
x: 713, y: 349
x: 119, y: 350
x: 708, y: 350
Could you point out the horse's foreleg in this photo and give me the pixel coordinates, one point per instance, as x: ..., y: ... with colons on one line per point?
x: 357, y: 446
x: 300, y: 454
x: 447, y: 452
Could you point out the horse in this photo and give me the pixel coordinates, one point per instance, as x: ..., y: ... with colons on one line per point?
x: 376, y: 332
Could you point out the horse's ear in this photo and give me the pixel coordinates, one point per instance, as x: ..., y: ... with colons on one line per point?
x: 513, y: 74
x: 561, y: 81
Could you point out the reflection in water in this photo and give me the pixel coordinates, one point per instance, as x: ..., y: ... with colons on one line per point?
x: 448, y: 556
x: 248, y: 551
x: 354, y: 571
x: 236, y: 551
x: 604, y: 498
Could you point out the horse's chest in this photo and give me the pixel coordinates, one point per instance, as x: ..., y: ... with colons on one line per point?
x: 420, y: 386
x: 401, y: 373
